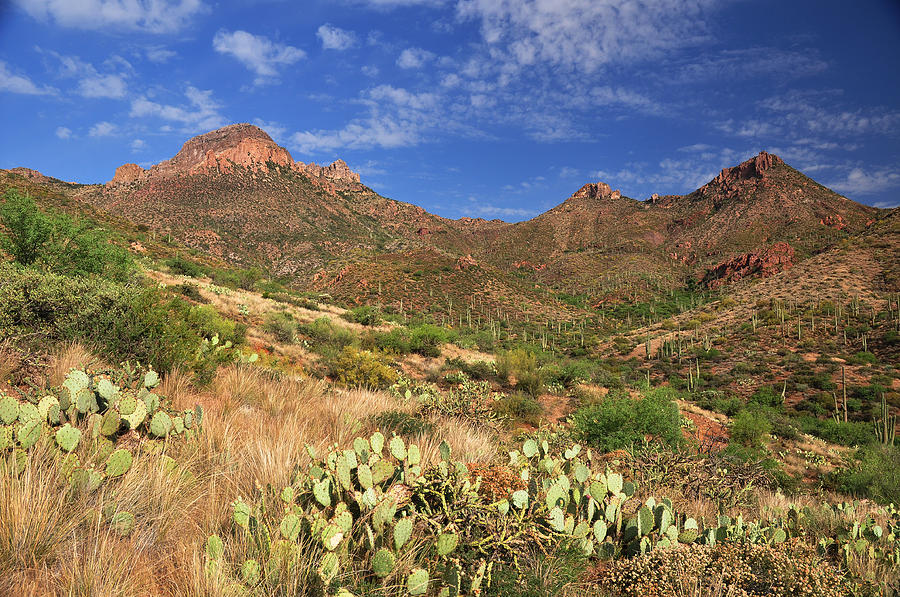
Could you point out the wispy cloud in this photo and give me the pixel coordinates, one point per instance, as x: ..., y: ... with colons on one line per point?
x: 861, y: 182
x: 259, y: 54
x: 102, y: 129
x: 201, y: 113
x: 414, y: 58
x: 14, y: 83
x: 152, y: 16
x: 63, y: 132
x: 334, y: 38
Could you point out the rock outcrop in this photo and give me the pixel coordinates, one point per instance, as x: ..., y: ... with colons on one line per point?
x: 730, y: 181
x: 596, y: 190
x: 237, y: 145
x: 762, y: 264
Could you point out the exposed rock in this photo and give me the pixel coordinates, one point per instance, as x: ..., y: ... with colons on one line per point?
x: 464, y: 263
x: 29, y: 173
x: 776, y: 258
x: 729, y: 181
x: 527, y: 264
x: 595, y: 190
x: 423, y: 231
x: 127, y: 173
x: 834, y: 221
x: 238, y: 145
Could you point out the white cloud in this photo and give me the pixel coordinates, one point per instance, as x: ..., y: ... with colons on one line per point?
x: 414, y: 58
x: 159, y: 54
x: 20, y: 83
x: 63, y: 132
x: 402, y: 97
x: 200, y: 114
x: 383, y: 132
x: 109, y: 86
x: 860, y: 182
x: 257, y: 53
x: 102, y: 129
x: 334, y: 38
x: 138, y: 144
x: 586, y: 34
x: 493, y: 211
x: 152, y: 16
x: 370, y: 70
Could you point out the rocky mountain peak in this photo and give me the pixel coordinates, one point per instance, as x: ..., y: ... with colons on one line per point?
x: 243, y: 145
x: 596, y: 190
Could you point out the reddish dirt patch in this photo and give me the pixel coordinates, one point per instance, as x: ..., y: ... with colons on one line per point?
x: 710, y: 435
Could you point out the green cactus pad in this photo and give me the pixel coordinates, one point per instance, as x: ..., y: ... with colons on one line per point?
x: 290, y: 527
x: 362, y: 449
x: 444, y: 450
x: 151, y: 379
x: 364, y: 474
x: 402, y: 532
x: 188, y: 419
x: 87, y: 480
x: 28, y: 412
x: 413, y: 455
x: 29, y: 433
x: 600, y: 529
x: 332, y: 536
x: 446, y: 543
x: 151, y: 401
x: 344, y: 521
x: 105, y: 447
x: 321, y: 492
x: 161, y: 424
x: 417, y: 582
x: 135, y: 419
x: 328, y: 567
x: 398, y: 448
x: 107, y: 390
x: 9, y: 409
x: 377, y: 442
x: 342, y: 471
x: 215, y: 549
x: 110, y: 423
x: 122, y: 523
x: 178, y: 425
x: 65, y: 397
x: 251, y: 573
x: 68, y: 437
x: 520, y: 499
x: 85, y: 401
x: 127, y: 404
x: 645, y: 521
x: 46, y: 405
x: 118, y: 463
x: 383, y: 514
x: 382, y: 471
x: 240, y: 513
x: 557, y: 519
x: 383, y: 562
x: 614, y: 483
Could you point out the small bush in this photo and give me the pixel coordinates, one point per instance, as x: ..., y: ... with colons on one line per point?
x: 767, y: 396
x: 325, y: 334
x: 620, y: 421
x: 191, y: 291
x: 750, y: 429
x: 281, y: 324
x: 181, y: 266
x: 427, y: 339
x: 521, y: 407
x: 362, y: 368
x: 365, y: 315
x: 395, y: 341
x: 403, y: 423
x: 874, y: 474
x: 521, y: 365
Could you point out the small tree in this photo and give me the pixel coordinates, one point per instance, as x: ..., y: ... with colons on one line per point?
x: 27, y: 228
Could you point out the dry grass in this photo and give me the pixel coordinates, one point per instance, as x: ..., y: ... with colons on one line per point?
x: 67, y: 357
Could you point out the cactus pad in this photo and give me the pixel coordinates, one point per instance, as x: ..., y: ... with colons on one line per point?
x: 214, y: 547
x: 151, y: 401
x: 178, y: 425
x: 383, y: 562
x: 290, y: 527
x: 240, y: 513
x: 417, y: 582
x: 28, y: 412
x: 151, y: 379
x: 250, y: 572
x: 364, y: 473
x: 127, y: 404
x: 332, y: 536
x: 398, y: 448
x: 321, y: 492
x: 107, y: 390
x: 122, y: 523
x: 68, y: 437
x: 446, y: 543
x: 110, y: 422
x: 402, y: 532
x: 9, y: 409
x: 161, y: 424
x: 29, y: 433
x: 382, y: 471
x: 85, y: 401
x: 45, y: 406
x: 6, y: 437
x: 118, y: 463
x: 137, y: 417
x: 377, y: 442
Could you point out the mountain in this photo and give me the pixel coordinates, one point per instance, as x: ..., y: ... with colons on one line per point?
x: 235, y: 194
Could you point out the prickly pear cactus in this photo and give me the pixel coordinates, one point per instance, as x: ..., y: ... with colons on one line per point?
x: 118, y: 463
x: 67, y: 437
x: 161, y: 424
x: 9, y: 409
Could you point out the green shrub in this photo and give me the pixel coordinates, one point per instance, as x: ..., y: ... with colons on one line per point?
x: 720, y: 403
x: 750, y: 429
x: 55, y: 242
x: 403, y: 423
x: 395, y: 341
x: 767, y: 396
x: 851, y: 433
x: 863, y: 358
x: 519, y: 406
x: 365, y: 315
x: 427, y: 339
x: 521, y: 365
x: 191, y: 291
x: 620, y: 421
x: 281, y: 324
x: 325, y: 334
x: 874, y: 474
x: 183, y: 267
x: 362, y: 368
x: 476, y: 370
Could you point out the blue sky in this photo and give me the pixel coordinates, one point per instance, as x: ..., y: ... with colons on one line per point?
x: 491, y: 108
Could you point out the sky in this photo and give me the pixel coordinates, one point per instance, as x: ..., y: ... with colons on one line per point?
x: 481, y: 108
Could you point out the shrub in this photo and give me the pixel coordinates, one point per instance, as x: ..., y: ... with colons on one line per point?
x: 767, y: 396
x: 522, y: 365
x: 863, y: 358
x: 191, y: 291
x: 365, y: 315
x: 395, y: 341
x: 362, y: 368
x: 475, y: 370
x: 183, y: 267
x: 620, y: 421
x: 851, y: 433
x: 325, y: 333
x: 519, y: 406
x: 427, y: 339
x: 403, y: 423
x: 874, y: 474
x: 55, y: 242
x: 281, y: 324
x: 749, y: 429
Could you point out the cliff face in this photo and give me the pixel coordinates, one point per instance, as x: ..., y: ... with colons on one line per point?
x: 236, y: 145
